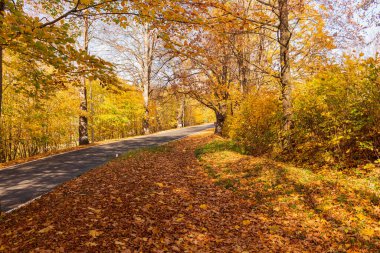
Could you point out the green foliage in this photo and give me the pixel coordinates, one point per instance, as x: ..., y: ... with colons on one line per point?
x: 218, y: 146
x: 142, y: 151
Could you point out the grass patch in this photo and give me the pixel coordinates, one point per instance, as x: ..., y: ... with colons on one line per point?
x: 218, y: 146
x: 211, y: 172
x: 319, y: 205
x: 228, y: 183
x: 153, y: 149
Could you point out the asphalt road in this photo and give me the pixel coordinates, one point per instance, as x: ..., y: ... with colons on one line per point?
x: 24, y: 182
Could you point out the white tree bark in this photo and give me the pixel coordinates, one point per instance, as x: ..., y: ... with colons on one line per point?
x: 181, y: 114
x: 83, y: 120
x: 149, y: 46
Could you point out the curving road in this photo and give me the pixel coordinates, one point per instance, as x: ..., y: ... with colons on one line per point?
x: 25, y: 182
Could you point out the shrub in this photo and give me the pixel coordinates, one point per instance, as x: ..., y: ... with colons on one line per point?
x: 337, y: 115
x: 257, y: 122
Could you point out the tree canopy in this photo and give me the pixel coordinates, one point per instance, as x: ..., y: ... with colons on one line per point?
x: 225, y: 56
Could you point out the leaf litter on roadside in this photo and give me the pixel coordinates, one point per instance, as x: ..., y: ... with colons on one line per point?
x: 161, y: 201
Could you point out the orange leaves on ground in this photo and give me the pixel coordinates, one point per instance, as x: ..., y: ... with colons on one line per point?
x: 337, y: 211
x: 246, y: 222
x: 46, y: 230
x: 95, y: 233
x: 161, y: 185
x: 203, y: 206
x: 163, y: 201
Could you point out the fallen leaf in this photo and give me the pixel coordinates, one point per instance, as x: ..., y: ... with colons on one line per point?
x: 95, y: 233
x: 203, y: 206
x: 45, y: 230
x: 246, y: 222
x: 139, y: 219
x: 367, y: 232
x: 119, y: 243
x: 160, y: 185
x: 97, y: 211
x: 176, y: 249
x: 91, y: 244
x: 360, y: 216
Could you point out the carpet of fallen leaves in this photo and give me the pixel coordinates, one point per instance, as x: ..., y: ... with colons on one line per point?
x: 321, y: 211
x: 162, y: 200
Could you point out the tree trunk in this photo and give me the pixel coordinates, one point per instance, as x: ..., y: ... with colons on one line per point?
x: 220, y: 118
x: 260, y: 61
x: 149, y: 42
x: 181, y: 114
x: 2, y: 9
x: 1, y: 80
x: 92, y: 114
x: 244, y: 79
x: 242, y: 62
x: 2, y: 151
x: 242, y: 73
x: 83, y: 120
x: 285, y: 78
x: 146, y: 82
x: 146, y: 125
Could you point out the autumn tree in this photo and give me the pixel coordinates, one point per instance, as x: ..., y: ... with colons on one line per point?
x: 83, y: 119
x: 208, y: 74
x: 141, y: 59
x: 46, y: 43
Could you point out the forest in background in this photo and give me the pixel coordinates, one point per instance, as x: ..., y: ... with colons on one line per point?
x: 295, y: 79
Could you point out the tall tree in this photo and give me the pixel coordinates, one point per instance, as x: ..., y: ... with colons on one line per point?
x: 83, y: 119
x: 2, y: 9
x: 141, y: 59
x: 48, y: 42
x: 150, y: 39
x: 207, y: 74
x: 284, y: 36
x: 181, y: 113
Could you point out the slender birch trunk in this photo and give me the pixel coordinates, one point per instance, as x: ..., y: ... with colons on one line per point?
x: 92, y: 114
x: 149, y: 44
x: 181, y: 114
x: 83, y: 120
x: 221, y: 113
